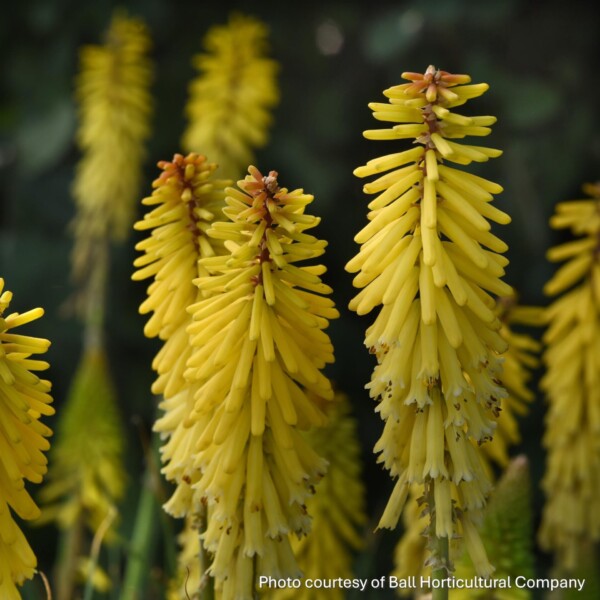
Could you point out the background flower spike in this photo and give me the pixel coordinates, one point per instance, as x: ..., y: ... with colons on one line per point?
x: 114, y: 103
x: 572, y: 387
x: 230, y: 100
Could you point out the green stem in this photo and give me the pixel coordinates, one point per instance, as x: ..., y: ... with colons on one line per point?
x: 95, y: 296
x: 143, y: 542
x: 254, y: 573
x: 103, y: 528
x: 440, y: 551
x: 70, y: 550
x: 166, y: 522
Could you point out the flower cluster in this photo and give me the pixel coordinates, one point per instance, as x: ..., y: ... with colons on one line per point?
x: 114, y: 107
x: 428, y: 257
x: 186, y: 199
x: 229, y: 101
x: 572, y: 385
x: 24, y: 399
x: 240, y: 365
x: 87, y: 476
x: 258, y: 350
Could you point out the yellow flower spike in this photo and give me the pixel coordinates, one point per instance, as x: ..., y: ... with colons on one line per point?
x: 114, y: 107
x: 337, y: 508
x: 258, y: 388
x: 24, y: 399
x: 572, y: 386
x: 86, y: 477
x: 438, y: 300
x: 186, y: 200
x: 230, y: 100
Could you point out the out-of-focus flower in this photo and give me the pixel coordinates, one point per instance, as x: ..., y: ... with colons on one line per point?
x: 86, y: 477
x: 428, y: 256
x: 24, y: 399
x: 337, y: 508
x: 114, y: 109
x: 87, y: 570
x: 230, y: 100
x: 259, y: 347
x: 571, y: 516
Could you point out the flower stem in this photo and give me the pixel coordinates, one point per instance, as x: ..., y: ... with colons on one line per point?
x: 95, y: 551
x: 254, y: 573
x: 95, y: 296
x: 70, y: 550
x: 144, y: 536
x: 442, y: 551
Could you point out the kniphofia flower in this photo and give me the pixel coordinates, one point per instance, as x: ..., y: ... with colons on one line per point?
x: 186, y: 199
x: 259, y: 347
x: 231, y: 98
x: 114, y: 109
x: 571, y: 516
x: 24, y: 400
x: 429, y: 260
x: 87, y: 477
x: 337, y: 508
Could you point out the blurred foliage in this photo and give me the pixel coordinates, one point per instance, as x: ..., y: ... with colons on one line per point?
x: 540, y: 59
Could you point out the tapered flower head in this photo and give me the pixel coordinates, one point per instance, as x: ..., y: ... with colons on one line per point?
x: 259, y: 346
x: 114, y: 109
x: 230, y: 100
x: 187, y: 198
x: 428, y: 257
x: 24, y: 399
x: 571, y: 518
x: 87, y: 477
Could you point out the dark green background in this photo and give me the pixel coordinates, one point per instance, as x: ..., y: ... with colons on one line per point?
x: 540, y: 59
